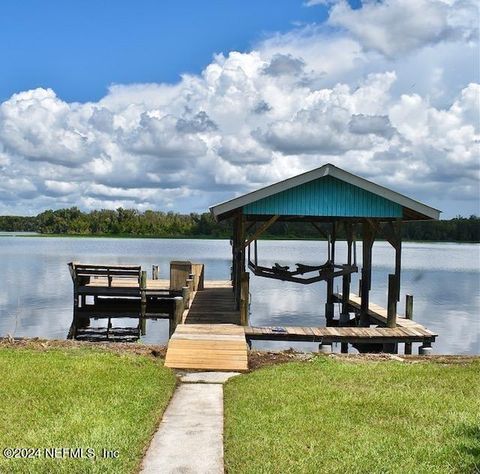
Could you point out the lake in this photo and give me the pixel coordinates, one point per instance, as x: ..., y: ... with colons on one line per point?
x: 36, y: 288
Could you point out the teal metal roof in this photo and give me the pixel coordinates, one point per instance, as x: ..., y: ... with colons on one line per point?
x: 326, y: 196
x: 327, y: 191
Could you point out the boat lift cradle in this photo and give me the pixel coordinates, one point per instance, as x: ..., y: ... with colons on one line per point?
x: 326, y: 271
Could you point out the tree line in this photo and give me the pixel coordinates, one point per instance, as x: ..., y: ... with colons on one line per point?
x: 130, y: 222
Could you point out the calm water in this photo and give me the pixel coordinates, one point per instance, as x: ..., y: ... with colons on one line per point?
x: 36, y: 289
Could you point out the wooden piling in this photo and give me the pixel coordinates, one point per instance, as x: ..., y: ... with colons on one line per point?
x: 392, y: 301
x: 408, y: 315
x: 345, y: 290
x: 186, y: 296
x: 143, y: 286
x: 409, y: 306
x: 367, y: 244
x: 176, y: 318
x: 190, y: 285
x: 244, y: 298
x: 329, y: 305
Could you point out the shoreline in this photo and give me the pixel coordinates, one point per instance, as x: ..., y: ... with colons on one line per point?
x: 257, y: 358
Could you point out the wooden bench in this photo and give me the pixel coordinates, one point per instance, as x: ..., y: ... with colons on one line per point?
x: 106, y: 279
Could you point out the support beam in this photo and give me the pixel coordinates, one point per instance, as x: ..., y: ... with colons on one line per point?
x: 261, y: 230
x: 329, y: 305
x: 367, y: 244
x: 238, y: 250
x: 320, y: 230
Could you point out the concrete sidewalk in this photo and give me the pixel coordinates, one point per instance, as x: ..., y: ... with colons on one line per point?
x: 190, y: 436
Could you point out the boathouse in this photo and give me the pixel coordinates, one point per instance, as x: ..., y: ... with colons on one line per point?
x: 331, y: 200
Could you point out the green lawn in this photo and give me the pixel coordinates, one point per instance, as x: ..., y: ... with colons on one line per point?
x: 354, y: 417
x: 79, y: 398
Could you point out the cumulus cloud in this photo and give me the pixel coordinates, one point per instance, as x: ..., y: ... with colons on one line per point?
x: 295, y: 102
x: 395, y: 27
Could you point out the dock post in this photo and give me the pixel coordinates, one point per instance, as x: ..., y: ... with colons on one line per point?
x: 408, y: 315
x: 329, y: 305
x: 143, y: 325
x: 344, y: 317
x: 190, y: 284
x: 186, y: 296
x: 143, y: 286
x: 155, y: 272
x: 143, y: 302
x: 392, y: 301
x: 244, y: 298
x: 409, y: 306
x: 176, y: 316
x: 391, y: 348
x: 367, y: 244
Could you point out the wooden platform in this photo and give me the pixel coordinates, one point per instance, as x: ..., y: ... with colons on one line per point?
x: 208, y: 347
x: 352, y: 335
x: 378, y: 315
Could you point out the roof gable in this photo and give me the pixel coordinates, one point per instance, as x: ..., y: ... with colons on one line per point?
x: 327, y: 196
x: 317, y: 188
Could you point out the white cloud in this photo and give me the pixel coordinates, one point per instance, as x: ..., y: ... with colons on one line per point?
x: 395, y: 27
x: 294, y: 102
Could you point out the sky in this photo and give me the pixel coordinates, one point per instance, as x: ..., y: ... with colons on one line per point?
x: 176, y: 106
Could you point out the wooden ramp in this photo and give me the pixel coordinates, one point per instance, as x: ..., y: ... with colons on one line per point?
x: 208, y: 347
x: 213, y: 305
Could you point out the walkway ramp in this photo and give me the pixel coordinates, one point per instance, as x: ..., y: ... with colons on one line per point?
x: 213, y: 305
x: 208, y: 347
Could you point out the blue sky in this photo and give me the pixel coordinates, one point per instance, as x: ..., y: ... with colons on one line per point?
x: 179, y: 105
x: 80, y: 48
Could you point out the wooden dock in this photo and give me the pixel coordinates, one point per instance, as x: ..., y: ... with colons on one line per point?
x: 351, y: 335
x: 208, y: 327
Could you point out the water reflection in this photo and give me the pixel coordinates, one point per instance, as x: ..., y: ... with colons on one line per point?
x: 36, y: 288
x: 85, y: 329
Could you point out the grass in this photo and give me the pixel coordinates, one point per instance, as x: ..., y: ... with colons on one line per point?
x: 79, y: 398
x: 344, y: 417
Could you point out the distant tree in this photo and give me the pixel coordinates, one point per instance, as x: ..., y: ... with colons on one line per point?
x: 160, y: 224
